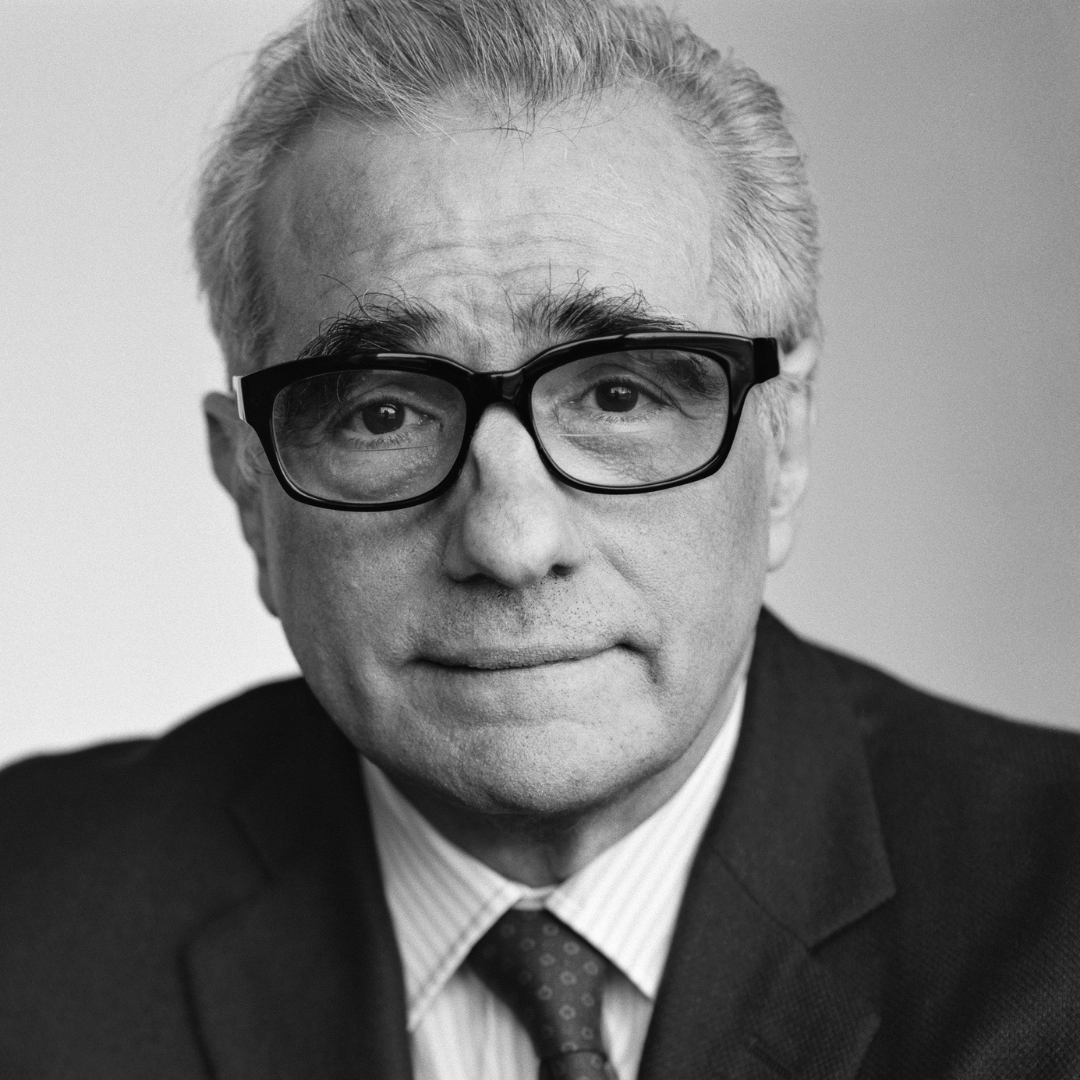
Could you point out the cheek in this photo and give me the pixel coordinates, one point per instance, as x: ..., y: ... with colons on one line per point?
x: 344, y: 584
x: 700, y: 558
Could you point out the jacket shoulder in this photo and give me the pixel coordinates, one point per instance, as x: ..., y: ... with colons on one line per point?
x: 105, y: 821
x: 893, y: 713
x: 974, y: 961
x: 111, y: 860
x: 50, y: 796
x: 961, y: 794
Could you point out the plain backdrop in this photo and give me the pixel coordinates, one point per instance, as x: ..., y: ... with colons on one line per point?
x: 941, y: 537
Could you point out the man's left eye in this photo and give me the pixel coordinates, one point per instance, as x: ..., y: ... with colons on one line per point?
x: 383, y: 417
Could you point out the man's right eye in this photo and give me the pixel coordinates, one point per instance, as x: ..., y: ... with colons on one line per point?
x: 382, y: 417
x: 385, y: 423
x: 616, y: 396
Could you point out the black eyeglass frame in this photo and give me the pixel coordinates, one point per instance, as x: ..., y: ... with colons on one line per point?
x: 746, y: 363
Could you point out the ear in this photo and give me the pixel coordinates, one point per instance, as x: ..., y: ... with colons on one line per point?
x: 229, y: 438
x: 792, y: 463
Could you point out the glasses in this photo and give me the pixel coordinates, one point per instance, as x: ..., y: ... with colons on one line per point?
x: 622, y: 414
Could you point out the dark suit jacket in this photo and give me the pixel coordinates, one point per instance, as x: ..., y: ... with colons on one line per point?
x: 890, y: 887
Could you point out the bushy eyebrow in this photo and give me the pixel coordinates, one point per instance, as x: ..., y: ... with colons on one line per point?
x: 402, y: 324
x: 581, y: 312
x: 384, y: 323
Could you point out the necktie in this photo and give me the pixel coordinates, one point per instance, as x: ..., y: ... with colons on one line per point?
x: 553, y: 980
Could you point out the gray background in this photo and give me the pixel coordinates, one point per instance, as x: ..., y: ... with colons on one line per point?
x: 941, y: 537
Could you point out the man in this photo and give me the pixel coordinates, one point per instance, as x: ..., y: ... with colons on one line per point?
x: 519, y: 301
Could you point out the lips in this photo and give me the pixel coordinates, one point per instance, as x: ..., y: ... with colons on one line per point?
x: 505, y: 658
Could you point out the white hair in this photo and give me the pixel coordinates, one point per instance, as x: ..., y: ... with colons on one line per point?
x: 397, y: 60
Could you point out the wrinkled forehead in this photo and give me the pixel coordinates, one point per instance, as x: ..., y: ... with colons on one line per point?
x: 478, y: 225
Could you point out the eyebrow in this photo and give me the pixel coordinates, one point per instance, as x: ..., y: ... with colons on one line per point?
x: 383, y: 323
x: 401, y: 324
x: 579, y: 312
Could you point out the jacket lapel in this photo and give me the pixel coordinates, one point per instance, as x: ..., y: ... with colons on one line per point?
x: 302, y: 977
x: 792, y: 856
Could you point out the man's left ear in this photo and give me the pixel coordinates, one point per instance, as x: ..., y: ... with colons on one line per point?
x: 790, y: 462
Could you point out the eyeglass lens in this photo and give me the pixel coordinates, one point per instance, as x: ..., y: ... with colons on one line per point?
x: 620, y: 419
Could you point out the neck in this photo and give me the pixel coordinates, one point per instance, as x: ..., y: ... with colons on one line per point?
x: 539, y: 850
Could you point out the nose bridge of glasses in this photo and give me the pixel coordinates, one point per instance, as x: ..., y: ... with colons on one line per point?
x: 500, y: 388
x: 497, y: 387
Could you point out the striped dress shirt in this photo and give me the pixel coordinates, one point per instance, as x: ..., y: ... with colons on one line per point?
x: 624, y: 903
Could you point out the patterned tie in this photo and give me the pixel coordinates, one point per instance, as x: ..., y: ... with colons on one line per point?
x: 552, y: 979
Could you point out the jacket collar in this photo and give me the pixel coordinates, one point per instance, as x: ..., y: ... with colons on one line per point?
x: 793, y: 855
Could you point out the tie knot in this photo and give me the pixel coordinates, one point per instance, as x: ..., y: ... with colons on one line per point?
x: 553, y: 980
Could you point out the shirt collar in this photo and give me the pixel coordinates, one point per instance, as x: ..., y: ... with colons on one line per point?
x: 625, y: 902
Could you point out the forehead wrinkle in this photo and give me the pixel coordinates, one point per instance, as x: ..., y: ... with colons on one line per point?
x: 473, y: 279
x: 478, y: 235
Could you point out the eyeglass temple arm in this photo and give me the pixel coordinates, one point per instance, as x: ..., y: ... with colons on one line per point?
x: 238, y: 393
x: 766, y: 358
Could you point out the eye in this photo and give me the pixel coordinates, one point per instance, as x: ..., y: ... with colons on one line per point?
x: 616, y: 396
x: 382, y: 417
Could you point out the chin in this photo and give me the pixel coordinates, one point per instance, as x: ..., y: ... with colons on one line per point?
x: 548, y: 741
x: 551, y: 771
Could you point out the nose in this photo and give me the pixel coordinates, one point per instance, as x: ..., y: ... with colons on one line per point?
x: 512, y: 522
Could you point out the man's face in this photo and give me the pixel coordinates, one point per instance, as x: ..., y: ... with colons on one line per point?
x: 514, y: 645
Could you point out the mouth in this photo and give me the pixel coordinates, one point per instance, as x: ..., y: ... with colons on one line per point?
x: 512, y: 658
